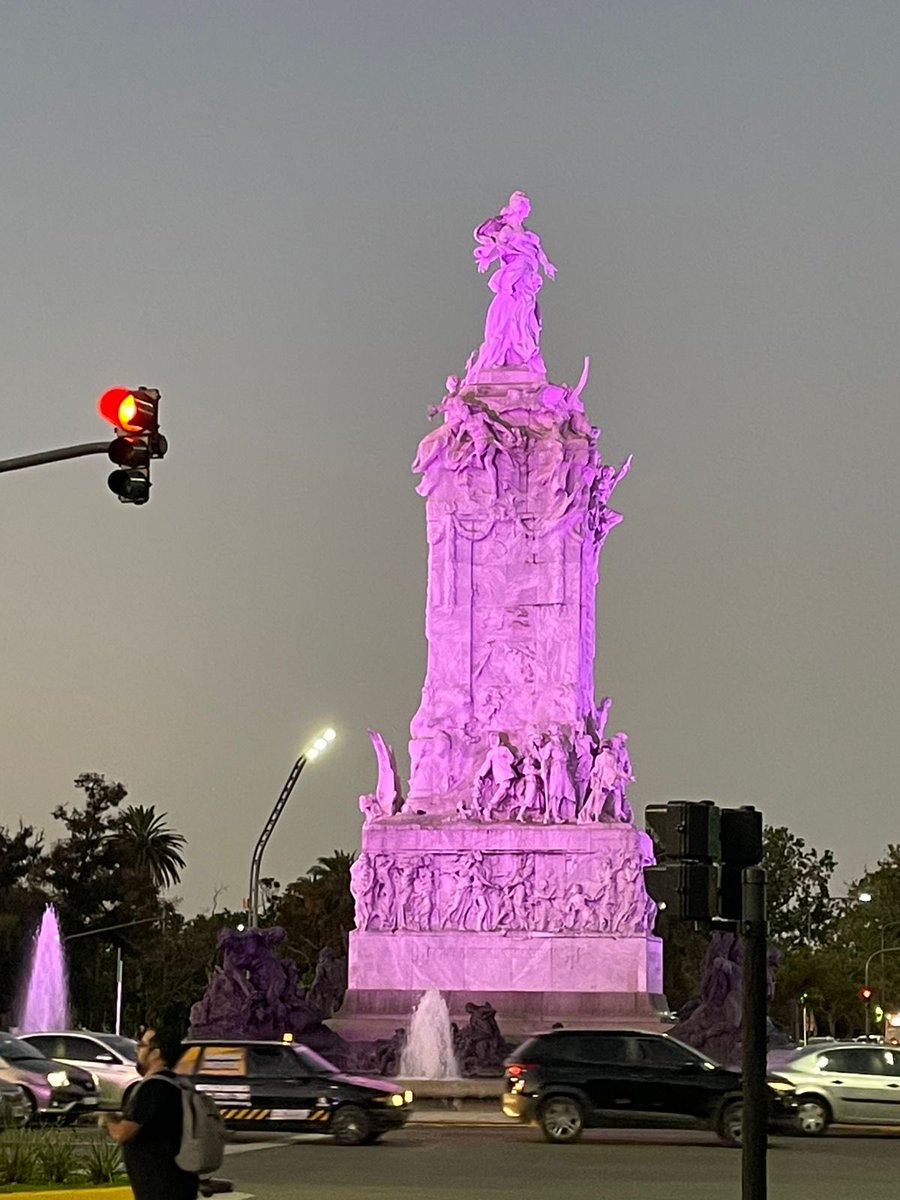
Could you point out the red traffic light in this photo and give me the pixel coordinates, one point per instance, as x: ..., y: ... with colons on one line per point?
x: 131, y: 409
x: 865, y: 993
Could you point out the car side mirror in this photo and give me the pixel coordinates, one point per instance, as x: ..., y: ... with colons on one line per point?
x: 105, y: 1058
x: 689, y: 1068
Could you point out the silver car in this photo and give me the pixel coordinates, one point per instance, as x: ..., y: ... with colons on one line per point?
x: 14, y: 1108
x: 844, y: 1082
x: 110, y: 1058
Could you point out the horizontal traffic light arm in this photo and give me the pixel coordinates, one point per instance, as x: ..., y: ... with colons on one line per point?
x: 52, y: 456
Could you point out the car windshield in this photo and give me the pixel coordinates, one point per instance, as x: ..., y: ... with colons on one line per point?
x: 122, y: 1045
x: 315, y: 1061
x: 15, y: 1051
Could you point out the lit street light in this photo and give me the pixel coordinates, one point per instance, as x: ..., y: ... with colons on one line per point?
x: 310, y: 754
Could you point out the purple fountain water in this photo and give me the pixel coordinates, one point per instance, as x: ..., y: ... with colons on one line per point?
x: 46, y: 1003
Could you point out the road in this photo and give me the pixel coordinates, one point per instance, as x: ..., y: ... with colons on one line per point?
x: 468, y: 1163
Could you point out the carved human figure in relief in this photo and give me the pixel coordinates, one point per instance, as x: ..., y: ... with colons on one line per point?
x: 560, y: 790
x: 583, y: 754
x: 513, y: 909
x: 421, y: 905
x: 620, y: 809
x: 494, y: 780
x: 545, y: 914
x: 469, y: 907
x: 512, y: 327
x: 362, y: 885
x: 530, y: 804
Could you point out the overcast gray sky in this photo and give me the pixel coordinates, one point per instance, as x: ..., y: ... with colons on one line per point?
x: 264, y: 209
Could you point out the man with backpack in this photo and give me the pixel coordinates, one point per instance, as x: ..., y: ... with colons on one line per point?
x: 170, y: 1134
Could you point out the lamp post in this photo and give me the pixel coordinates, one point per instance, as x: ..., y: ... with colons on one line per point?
x: 317, y: 747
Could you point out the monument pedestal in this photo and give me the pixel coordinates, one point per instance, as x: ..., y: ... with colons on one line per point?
x: 547, y: 922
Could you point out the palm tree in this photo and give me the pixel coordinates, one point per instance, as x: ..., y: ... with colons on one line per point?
x: 150, y: 844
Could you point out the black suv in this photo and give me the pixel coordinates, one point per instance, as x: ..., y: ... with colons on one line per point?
x: 572, y: 1079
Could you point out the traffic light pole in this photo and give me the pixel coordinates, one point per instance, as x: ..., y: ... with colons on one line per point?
x: 754, y: 997
x: 52, y: 456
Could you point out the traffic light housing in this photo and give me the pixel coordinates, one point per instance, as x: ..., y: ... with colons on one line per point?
x: 865, y: 994
x: 135, y: 414
x: 701, y: 852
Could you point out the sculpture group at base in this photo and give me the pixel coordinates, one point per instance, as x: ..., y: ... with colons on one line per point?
x: 255, y: 993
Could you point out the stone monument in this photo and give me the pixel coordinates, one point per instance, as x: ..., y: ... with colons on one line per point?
x: 510, y: 872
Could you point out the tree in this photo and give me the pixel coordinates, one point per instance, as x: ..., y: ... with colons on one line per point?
x: 150, y: 846
x: 317, y: 910
x: 798, y: 889
x: 21, y: 903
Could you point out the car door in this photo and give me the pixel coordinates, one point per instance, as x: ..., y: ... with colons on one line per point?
x: 221, y: 1072
x: 671, y: 1079
x: 861, y: 1084
x: 113, y: 1076
x: 283, y: 1084
x: 602, y: 1065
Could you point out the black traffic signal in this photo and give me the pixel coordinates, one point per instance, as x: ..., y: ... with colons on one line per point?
x: 686, y: 890
x: 135, y: 414
x: 701, y: 852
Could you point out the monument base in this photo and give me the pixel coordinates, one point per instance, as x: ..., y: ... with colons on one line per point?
x: 532, y: 980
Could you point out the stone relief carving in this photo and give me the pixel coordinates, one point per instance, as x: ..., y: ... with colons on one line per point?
x: 506, y: 892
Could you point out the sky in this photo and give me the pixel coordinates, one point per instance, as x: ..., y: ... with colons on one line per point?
x: 265, y: 210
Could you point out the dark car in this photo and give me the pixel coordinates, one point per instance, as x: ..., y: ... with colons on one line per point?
x: 574, y: 1079
x: 51, y: 1090
x: 284, y: 1085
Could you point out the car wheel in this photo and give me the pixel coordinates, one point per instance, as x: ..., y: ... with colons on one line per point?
x: 561, y: 1119
x: 350, y: 1126
x: 731, y: 1123
x: 813, y: 1117
x: 373, y: 1138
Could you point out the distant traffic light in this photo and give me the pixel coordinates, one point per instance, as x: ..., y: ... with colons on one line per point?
x: 865, y: 994
x: 135, y: 414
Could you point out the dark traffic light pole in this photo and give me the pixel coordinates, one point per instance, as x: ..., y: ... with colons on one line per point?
x: 52, y: 456
x: 754, y: 998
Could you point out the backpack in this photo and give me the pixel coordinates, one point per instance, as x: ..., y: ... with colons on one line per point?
x: 202, y: 1130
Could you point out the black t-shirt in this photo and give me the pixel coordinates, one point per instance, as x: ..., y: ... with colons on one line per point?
x: 150, y: 1155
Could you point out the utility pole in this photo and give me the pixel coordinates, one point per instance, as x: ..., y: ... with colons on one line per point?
x: 754, y: 998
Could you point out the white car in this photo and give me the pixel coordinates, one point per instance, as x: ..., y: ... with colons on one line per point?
x: 110, y: 1058
x: 845, y: 1082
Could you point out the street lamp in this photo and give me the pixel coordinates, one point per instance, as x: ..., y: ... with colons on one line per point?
x: 317, y: 747
x: 878, y: 954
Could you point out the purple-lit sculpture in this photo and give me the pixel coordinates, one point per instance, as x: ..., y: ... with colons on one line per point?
x: 511, y: 869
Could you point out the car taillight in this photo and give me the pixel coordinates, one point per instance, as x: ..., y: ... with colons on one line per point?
x: 514, y: 1070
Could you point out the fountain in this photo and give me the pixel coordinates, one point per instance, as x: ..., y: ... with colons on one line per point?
x: 428, y: 1052
x: 46, y: 1002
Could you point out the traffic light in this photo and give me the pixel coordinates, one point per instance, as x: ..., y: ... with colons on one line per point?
x: 135, y: 414
x: 701, y: 852
x: 865, y: 994
x: 686, y: 890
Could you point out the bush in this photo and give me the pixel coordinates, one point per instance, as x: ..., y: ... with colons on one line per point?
x: 18, y: 1157
x: 57, y: 1155
x: 102, y: 1163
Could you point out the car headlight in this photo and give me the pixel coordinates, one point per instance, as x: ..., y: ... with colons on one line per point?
x: 397, y: 1099
x: 58, y: 1079
x: 779, y: 1085
x: 408, y: 1097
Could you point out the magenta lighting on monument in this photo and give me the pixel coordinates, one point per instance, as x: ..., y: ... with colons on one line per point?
x: 510, y: 871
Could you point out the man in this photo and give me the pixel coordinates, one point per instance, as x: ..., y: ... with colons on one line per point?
x: 150, y: 1131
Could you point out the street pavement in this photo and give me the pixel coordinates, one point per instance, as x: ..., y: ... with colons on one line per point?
x: 453, y: 1159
